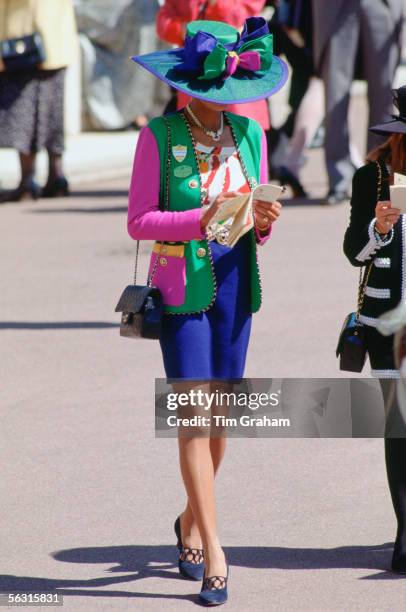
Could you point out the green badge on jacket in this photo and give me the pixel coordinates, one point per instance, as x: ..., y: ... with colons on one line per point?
x: 183, y: 171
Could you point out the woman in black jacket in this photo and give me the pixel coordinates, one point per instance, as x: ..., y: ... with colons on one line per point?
x: 376, y: 239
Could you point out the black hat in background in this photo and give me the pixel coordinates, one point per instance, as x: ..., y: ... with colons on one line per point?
x: 397, y: 125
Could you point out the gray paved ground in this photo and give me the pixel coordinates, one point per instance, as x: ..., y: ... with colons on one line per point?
x: 89, y: 496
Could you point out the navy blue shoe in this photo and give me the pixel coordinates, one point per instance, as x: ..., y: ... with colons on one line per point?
x: 399, y: 557
x: 214, y: 590
x: 191, y: 560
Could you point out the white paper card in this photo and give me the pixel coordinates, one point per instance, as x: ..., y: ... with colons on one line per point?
x: 398, y: 197
x: 268, y: 193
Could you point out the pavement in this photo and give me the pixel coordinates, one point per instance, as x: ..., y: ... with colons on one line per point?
x: 88, y: 156
x: 89, y: 496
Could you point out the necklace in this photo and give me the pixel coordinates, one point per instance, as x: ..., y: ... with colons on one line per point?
x: 214, y: 135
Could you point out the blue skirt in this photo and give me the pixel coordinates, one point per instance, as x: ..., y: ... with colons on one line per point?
x: 213, y: 344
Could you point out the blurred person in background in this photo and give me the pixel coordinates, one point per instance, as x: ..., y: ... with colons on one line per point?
x: 171, y: 27
x: 292, y: 26
x: 32, y: 98
x: 340, y: 29
x: 114, y: 96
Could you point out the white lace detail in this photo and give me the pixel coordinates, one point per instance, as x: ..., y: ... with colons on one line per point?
x: 382, y: 262
x: 374, y: 292
x: 374, y: 243
x: 371, y: 321
x: 385, y: 373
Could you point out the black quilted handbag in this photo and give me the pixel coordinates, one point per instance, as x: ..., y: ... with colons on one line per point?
x: 351, y: 347
x: 142, y: 307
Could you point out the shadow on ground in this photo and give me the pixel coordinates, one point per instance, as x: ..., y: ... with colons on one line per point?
x: 39, y: 325
x: 99, y: 193
x: 160, y: 562
x: 84, y: 210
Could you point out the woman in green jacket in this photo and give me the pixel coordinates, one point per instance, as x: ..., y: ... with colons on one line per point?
x: 186, y: 166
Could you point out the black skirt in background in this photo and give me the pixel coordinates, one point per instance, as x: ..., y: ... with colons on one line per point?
x: 32, y: 110
x: 380, y: 350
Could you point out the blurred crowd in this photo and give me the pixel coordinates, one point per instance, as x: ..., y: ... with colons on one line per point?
x: 327, y: 45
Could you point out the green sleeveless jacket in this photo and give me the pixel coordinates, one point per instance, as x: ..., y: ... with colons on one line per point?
x: 184, y: 194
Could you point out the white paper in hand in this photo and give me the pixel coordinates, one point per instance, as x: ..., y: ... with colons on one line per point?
x: 236, y: 213
x: 398, y: 197
x: 267, y: 193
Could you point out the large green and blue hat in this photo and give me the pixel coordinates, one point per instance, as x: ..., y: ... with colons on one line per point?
x: 218, y: 64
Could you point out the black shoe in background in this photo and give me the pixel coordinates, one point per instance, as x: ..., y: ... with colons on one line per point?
x: 286, y: 177
x: 336, y: 197
x: 58, y: 188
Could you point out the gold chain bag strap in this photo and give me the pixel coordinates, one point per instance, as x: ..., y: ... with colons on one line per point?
x: 351, y: 346
x: 142, y: 306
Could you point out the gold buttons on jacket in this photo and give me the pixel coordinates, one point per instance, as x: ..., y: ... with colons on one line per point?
x: 201, y: 252
x: 193, y: 184
x: 163, y: 261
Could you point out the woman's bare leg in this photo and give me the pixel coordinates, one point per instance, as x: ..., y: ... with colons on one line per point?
x: 200, y: 457
x: 197, y: 470
x: 190, y: 531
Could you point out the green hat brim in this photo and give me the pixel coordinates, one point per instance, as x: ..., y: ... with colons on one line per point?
x: 236, y: 89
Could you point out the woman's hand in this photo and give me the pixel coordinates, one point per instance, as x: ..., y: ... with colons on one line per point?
x: 386, y: 216
x: 266, y: 213
x: 211, y: 210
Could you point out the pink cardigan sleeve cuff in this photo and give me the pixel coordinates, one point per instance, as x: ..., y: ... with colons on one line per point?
x: 264, y: 178
x: 145, y: 221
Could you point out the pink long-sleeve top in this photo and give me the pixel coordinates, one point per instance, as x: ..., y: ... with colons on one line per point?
x: 145, y: 220
x: 174, y: 14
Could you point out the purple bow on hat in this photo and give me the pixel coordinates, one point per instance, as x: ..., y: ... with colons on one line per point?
x: 209, y: 59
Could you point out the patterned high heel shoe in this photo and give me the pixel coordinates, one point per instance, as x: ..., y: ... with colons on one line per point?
x: 214, y: 590
x: 191, y: 560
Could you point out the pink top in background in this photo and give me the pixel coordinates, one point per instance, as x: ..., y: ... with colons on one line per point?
x: 253, y: 110
x: 175, y: 14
